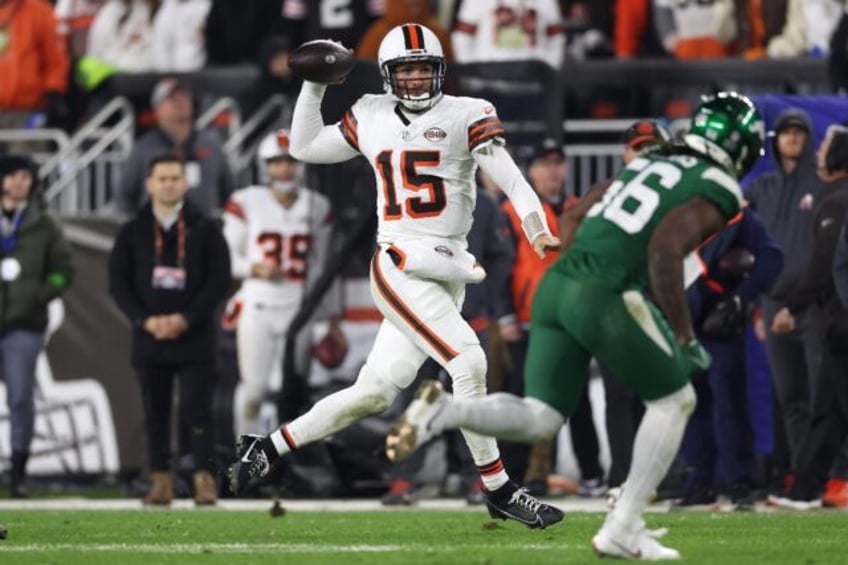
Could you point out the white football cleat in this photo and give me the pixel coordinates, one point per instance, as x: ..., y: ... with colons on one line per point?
x: 414, y: 427
x: 636, y: 543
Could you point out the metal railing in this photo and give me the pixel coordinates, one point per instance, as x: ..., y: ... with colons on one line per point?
x: 220, y: 107
x: 240, y: 147
x: 73, y: 160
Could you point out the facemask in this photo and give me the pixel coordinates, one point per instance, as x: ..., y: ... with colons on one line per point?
x: 284, y: 186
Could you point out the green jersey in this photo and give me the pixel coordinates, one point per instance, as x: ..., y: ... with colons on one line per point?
x: 611, y: 244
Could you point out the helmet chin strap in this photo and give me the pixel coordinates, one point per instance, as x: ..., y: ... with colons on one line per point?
x: 284, y: 186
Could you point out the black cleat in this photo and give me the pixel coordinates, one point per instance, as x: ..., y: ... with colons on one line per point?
x: 252, y: 462
x: 512, y: 503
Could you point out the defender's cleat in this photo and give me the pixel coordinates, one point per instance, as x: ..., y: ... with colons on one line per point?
x: 524, y: 508
x: 638, y: 543
x: 414, y: 427
x: 252, y: 462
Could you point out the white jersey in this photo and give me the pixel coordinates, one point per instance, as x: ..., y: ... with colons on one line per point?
x: 259, y: 229
x: 423, y: 167
x: 509, y: 30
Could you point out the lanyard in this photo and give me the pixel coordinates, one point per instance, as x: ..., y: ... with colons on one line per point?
x: 157, y: 240
x: 11, y: 240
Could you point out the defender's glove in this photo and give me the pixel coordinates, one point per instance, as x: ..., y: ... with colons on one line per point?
x: 697, y: 356
x: 727, y: 320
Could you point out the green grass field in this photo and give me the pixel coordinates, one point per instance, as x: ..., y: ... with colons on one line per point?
x: 404, y: 536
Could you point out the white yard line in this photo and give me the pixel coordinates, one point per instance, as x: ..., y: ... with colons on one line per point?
x: 256, y: 548
x: 263, y: 505
x: 569, y: 504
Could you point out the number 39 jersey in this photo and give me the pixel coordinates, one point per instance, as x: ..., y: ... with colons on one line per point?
x: 423, y: 165
x: 611, y: 245
x: 259, y: 229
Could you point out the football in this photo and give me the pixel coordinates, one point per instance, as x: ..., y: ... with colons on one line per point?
x: 322, y: 61
x: 736, y: 263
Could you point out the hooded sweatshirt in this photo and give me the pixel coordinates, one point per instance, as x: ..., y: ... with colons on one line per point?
x: 785, y: 203
x: 43, y: 257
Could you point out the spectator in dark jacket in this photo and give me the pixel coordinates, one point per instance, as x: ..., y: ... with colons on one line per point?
x: 718, y: 446
x: 35, y: 268
x: 816, y: 291
x: 785, y: 199
x: 206, y: 170
x: 168, y: 270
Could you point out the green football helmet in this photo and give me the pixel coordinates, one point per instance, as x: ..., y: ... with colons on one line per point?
x: 728, y: 129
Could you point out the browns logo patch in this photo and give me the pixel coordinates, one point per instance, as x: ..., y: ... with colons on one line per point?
x: 435, y: 134
x: 442, y: 250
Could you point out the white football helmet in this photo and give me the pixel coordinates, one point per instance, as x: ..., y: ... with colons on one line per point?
x: 412, y: 43
x: 275, y: 145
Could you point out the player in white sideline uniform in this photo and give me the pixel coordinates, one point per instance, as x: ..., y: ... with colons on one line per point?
x: 425, y: 148
x: 279, y: 238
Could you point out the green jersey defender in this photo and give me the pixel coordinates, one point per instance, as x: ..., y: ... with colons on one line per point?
x: 622, y: 240
x: 592, y: 302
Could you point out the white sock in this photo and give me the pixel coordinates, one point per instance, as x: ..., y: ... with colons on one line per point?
x: 329, y: 415
x: 654, y: 448
x: 282, y: 441
x: 493, y: 475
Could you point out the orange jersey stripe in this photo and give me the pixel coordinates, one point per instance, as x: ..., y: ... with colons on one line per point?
x: 234, y: 208
x: 479, y: 124
x: 444, y: 350
x: 489, y: 135
x: 348, y: 127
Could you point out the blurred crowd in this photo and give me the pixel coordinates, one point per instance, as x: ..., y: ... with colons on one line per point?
x: 55, y: 58
x: 52, y: 57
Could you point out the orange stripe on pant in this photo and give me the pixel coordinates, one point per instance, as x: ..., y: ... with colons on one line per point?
x: 444, y: 350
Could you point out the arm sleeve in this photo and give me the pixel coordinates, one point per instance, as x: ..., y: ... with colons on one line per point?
x: 235, y: 232
x: 754, y: 237
x: 498, y: 164
x: 817, y: 280
x: 840, y: 265
x: 311, y: 140
x: 121, y: 267
x: 216, y: 278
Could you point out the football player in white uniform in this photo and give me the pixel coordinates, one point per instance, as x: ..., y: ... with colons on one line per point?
x: 425, y: 147
x: 279, y: 239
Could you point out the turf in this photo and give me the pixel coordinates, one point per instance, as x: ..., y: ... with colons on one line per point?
x: 405, y: 536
